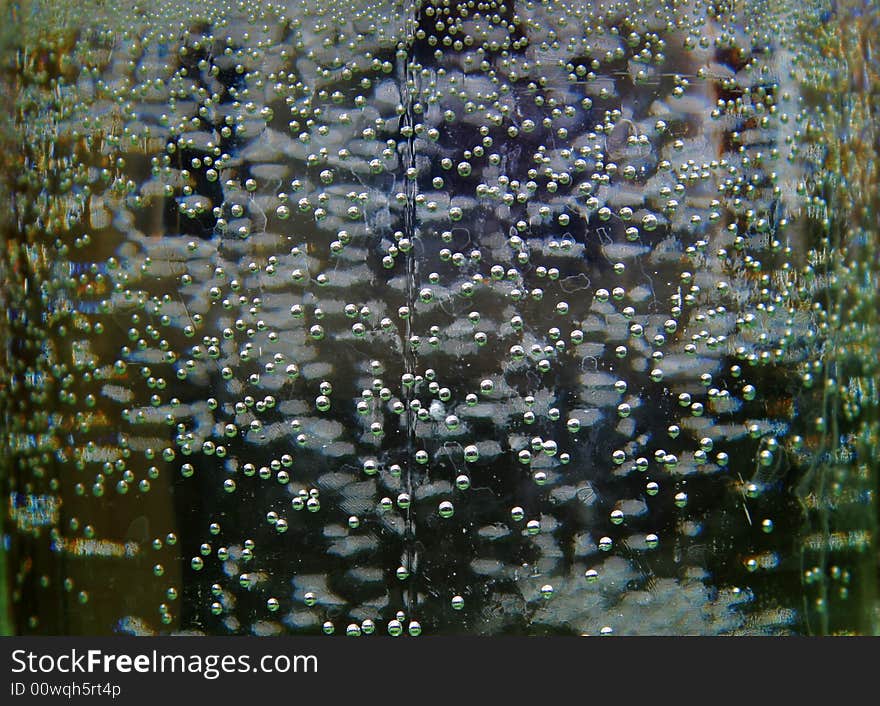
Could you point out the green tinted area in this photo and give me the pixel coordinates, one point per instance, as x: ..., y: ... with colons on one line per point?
x: 439, y: 317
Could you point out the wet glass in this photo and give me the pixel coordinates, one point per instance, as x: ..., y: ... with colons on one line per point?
x: 439, y: 317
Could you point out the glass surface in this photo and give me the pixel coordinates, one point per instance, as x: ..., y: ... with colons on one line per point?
x: 439, y: 317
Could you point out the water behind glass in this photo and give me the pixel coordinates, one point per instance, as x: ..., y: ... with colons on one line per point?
x: 439, y: 317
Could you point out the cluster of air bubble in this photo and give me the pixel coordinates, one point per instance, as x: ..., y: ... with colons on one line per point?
x: 404, y: 317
